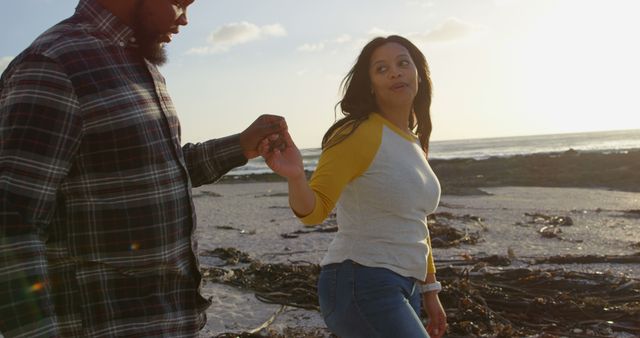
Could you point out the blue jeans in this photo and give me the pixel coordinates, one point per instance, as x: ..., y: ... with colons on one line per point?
x: 360, y: 301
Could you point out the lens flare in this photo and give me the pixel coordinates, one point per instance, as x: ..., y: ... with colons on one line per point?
x: 134, y: 246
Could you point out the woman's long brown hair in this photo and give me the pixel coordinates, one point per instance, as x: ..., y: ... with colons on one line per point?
x: 358, y: 102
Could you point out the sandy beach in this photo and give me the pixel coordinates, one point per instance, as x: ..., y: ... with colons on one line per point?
x: 506, y: 220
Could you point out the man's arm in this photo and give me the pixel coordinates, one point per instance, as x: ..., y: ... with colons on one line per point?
x: 39, y: 135
x: 208, y: 161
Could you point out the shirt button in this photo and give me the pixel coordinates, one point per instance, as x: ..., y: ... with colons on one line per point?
x: 121, y: 43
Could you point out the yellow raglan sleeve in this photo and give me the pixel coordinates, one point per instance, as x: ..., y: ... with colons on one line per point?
x: 339, y: 165
x: 431, y: 265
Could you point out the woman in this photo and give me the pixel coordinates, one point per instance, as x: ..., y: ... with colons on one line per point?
x: 373, y: 165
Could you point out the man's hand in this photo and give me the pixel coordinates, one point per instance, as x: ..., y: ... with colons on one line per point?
x: 263, y: 127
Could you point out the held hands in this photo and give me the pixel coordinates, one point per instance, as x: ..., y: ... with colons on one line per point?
x: 282, y: 155
x: 263, y: 127
x: 437, y: 317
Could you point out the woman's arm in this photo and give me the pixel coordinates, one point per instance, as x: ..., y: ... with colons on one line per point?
x: 338, y: 165
x: 287, y: 162
x: 430, y: 301
x: 302, y: 200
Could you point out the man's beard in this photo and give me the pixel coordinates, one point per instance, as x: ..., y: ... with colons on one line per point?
x: 148, y: 45
x: 150, y: 49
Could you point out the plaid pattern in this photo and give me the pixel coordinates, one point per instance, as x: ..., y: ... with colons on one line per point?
x: 97, y: 220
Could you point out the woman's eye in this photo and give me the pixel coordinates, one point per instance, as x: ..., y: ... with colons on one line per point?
x: 381, y: 69
x: 404, y: 63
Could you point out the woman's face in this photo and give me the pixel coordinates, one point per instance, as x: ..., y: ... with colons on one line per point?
x: 394, y: 76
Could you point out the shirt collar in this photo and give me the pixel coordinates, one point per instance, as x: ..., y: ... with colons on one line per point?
x: 104, y: 24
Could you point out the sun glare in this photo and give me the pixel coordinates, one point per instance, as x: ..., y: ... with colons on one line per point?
x: 580, y: 66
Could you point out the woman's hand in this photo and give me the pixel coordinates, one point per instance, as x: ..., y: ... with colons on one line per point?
x: 437, y: 317
x: 263, y: 127
x: 282, y: 155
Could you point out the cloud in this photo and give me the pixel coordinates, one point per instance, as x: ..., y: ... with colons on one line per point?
x: 237, y: 33
x: 375, y: 31
x: 501, y: 3
x: 311, y: 47
x: 4, y: 62
x: 344, y: 38
x: 241, y: 32
x: 321, y: 46
x: 422, y: 3
x: 452, y: 29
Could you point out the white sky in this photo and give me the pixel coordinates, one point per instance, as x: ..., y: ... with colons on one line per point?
x: 499, y: 67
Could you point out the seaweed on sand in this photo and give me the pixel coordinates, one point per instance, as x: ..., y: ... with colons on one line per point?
x: 508, y: 303
x: 521, y: 302
x: 444, y: 235
x: 539, y: 218
x: 287, y: 284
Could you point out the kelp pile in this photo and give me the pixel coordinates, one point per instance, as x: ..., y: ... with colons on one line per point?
x: 506, y: 303
x: 521, y: 302
x: 290, y: 332
x: 444, y: 235
x: 292, y: 285
x: 286, y: 284
x: 550, y: 224
x: 633, y: 213
x: 443, y: 228
x: 329, y: 225
x: 549, y: 220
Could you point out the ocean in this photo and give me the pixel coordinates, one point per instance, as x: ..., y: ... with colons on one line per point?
x: 607, y: 141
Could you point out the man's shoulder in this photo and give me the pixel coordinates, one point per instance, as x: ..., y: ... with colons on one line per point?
x: 62, y: 43
x: 67, y: 36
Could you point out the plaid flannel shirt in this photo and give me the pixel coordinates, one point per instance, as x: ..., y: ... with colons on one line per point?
x: 97, y: 234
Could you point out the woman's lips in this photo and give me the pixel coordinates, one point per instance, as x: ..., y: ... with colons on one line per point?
x: 399, y: 86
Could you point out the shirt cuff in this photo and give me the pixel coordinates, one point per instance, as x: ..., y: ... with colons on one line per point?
x: 227, y: 151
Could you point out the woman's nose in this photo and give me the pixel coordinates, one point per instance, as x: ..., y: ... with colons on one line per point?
x: 395, y: 72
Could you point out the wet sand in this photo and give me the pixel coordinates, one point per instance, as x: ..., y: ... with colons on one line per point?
x: 504, y: 200
x: 251, y: 217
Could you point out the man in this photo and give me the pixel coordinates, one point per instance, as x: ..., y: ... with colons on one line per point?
x: 97, y: 232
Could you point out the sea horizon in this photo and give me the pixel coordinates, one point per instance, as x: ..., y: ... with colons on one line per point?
x: 483, y: 148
